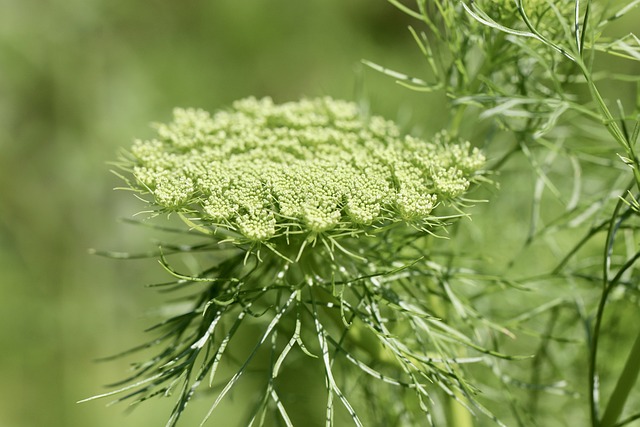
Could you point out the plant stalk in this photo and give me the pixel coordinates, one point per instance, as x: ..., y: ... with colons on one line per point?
x: 626, y: 382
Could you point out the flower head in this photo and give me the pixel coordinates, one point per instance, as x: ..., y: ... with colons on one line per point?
x: 315, y: 166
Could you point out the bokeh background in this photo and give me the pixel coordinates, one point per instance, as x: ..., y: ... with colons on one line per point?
x: 79, y: 80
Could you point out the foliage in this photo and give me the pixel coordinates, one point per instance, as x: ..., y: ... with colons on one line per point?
x: 533, y: 68
x: 320, y: 228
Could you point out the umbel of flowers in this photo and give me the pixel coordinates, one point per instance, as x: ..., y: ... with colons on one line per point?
x: 314, y: 218
x: 316, y: 166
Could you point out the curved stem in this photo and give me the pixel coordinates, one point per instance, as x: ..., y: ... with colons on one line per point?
x: 607, y: 286
x: 623, y: 388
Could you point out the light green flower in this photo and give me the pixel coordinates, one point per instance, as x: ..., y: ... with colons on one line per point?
x: 315, y: 166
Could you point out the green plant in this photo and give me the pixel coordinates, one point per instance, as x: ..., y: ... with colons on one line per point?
x: 319, y: 236
x: 534, y: 68
x: 316, y: 222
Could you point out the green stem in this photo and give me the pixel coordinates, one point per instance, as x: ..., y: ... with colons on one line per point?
x: 607, y: 286
x: 625, y: 384
x: 459, y: 416
x: 593, y: 356
x: 611, y: 125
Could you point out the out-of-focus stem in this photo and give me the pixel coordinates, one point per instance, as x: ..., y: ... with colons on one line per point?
x: 626, y: 382
x: 459, y: 416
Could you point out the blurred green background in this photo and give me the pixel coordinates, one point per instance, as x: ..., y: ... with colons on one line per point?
x: 80, y: 79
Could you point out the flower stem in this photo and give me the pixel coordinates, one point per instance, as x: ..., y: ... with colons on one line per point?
x: 625, y: 384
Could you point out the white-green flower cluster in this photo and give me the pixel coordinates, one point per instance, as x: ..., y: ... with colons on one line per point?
x: 318, y: 165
